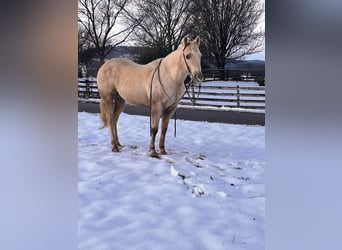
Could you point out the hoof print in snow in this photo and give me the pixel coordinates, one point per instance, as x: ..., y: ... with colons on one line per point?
x: 168, y: 160
x: 182, y: 176
x: 243, y: 178
x: 200, y: 157
x: 194, y: 163
x: 198, y: 191
x: 133, y: 147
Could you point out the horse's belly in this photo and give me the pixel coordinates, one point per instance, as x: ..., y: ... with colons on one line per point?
x: 135, y: 97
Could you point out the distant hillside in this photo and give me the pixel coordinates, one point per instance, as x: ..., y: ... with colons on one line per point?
x: 121, y: 51
x: 246, y: 65
x: 91, y: 54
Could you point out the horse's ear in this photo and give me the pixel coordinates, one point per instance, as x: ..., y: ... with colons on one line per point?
x: 197, y: 40
x: 185, y: 40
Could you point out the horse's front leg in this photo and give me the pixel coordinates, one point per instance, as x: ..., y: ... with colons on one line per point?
x: 165, y: 122
x: 155, y: 117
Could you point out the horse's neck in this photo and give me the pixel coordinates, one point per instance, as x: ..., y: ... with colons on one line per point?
x: 175, y: 67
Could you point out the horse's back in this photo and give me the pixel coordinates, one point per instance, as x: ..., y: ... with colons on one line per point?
x: 112, y: 69
x: 129, y: 79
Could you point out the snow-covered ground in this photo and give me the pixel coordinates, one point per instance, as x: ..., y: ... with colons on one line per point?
x: 207, y: 193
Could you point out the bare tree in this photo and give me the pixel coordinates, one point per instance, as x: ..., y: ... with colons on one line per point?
x: 164, y: 24
x: 228, y: 28
x: 100, y: 20
x: 84, y: 45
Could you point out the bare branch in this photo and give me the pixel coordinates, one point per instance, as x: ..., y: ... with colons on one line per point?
x: 229, y: 28
x: 99, y: 18
x: 163, y: 25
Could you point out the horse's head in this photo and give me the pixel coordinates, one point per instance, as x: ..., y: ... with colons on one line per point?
x: 192, y: 58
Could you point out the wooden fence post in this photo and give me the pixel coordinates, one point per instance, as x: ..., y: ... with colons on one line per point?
x: 238, y: 95
x: 87, y: 94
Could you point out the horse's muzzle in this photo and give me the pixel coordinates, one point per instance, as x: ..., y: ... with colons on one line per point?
x: 198, y: 77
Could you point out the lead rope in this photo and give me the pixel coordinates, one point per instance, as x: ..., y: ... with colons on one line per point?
x: 187, y: 86
x: 175, y: 126
x: 186, y: 91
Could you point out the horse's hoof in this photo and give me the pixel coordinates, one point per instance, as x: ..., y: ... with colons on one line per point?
x: 115, y: 149
x: 154, y: 154
x: 163, y: 152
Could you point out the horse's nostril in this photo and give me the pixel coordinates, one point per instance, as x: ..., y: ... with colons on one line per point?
x: 198, y: 77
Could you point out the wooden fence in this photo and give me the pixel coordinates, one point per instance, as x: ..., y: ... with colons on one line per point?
x: 244, y: 75
x: 212, y: 94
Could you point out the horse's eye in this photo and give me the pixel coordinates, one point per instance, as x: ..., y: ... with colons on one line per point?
x: 188, y: 56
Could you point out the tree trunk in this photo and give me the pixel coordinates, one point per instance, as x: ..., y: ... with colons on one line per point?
x: 220, y: 67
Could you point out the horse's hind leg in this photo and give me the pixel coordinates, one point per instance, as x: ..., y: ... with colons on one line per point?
x: 108, y: 109
x: 118, y: 108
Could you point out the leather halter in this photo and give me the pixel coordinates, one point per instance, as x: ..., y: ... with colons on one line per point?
x: 187, y: 66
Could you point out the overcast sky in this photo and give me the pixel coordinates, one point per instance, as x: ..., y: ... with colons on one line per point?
x: 260, y: 55
x: 257, y: 56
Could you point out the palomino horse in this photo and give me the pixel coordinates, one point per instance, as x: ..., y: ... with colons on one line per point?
x: 158, y: 85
